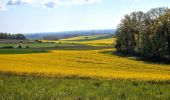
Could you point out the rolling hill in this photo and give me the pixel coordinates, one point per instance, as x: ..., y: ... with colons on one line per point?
x: 67, y: 34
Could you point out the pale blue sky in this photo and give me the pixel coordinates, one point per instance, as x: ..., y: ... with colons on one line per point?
x: 30, y: 16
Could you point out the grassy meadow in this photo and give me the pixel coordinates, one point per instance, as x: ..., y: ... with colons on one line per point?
x: 78, y: 68
x: 45, y: 88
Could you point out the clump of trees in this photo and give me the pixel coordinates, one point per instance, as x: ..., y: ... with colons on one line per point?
x: 12, y: 36
x: 145, y: 34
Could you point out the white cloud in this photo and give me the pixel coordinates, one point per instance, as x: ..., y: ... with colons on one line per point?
x: 84, y: 1
x: 3, y: 8
x: 49, y: 3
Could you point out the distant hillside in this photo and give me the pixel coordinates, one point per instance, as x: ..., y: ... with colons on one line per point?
x: 67, y: 34
x: 93, y: 40
x: 89, y: 38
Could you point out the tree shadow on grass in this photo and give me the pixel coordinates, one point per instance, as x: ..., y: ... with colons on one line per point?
x: 149, y: 60
x: 22, y: 51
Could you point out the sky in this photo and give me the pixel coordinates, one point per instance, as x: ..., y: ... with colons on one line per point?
x: 33, y: 16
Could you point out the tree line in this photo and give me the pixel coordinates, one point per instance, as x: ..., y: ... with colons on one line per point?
x: 12, y: 36
x: 145, y: 34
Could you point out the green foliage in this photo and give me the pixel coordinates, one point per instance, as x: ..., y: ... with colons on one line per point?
x: 43, y: 88
x: 27, y: 47
x: 12, y: 36
x: 145, y: 34
x: 7, y: 47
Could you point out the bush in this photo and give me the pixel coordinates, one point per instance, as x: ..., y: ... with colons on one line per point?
x: 27, y: 47
x: 8, y: 47
x: 19, y: 46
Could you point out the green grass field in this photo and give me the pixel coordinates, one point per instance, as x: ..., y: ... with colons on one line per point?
x: 44, y: 88
x: 78, y: 63
x: 38, y: 45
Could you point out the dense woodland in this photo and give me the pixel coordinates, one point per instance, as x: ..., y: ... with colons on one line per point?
x: 145, y: 34
x: 12, y: 36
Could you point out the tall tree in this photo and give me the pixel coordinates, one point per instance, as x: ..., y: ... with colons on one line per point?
x: 164, y: 22
x: 147, y: 34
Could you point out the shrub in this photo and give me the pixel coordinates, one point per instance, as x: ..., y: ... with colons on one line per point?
x: 8, y: 47
x: 27, y: 47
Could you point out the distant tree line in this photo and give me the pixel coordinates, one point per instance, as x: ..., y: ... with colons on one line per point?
x: 50, y: 37
x: 12, y: 36
x: 145, y: 34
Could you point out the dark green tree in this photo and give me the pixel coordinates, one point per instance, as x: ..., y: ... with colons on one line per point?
x: 145, y: 34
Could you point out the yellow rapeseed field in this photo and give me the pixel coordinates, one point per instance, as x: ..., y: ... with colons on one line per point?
x: 87, y: 63
x: 90, y: 63
x: 108, y: 41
